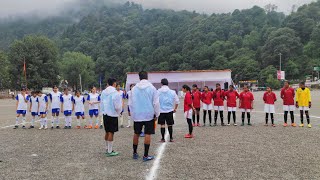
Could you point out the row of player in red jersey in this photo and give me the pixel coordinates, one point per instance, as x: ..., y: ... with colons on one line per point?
x: 218, y: 96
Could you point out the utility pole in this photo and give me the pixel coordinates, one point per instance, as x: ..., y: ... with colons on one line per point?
x: 80, y: 83
x: 280, y: 60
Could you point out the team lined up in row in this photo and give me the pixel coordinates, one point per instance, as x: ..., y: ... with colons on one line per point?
x: 246, y: 98
x: 64, y: 103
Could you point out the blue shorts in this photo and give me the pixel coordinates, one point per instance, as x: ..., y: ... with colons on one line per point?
x: 42, y: 113
x: 34, y: 114
x: 21, y: 112
x: 56, y: 111
x: 67, y: 113
x: 93, y: 112
x: 79, y: 113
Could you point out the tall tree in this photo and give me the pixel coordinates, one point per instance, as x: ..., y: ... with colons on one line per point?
x: 5, y: 80
x: 76, y: 64
x: 40, y: 56
x: 282, y: 41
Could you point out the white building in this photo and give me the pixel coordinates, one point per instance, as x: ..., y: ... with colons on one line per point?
x: 178, y: 78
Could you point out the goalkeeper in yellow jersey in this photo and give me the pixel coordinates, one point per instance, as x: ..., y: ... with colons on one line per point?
x: 303, y: 102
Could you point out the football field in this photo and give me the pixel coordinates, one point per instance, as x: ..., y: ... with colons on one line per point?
x: 256, y: 152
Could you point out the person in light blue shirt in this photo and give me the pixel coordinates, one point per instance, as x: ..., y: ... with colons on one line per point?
x: 169, y: 102
x: 145, y: 109
x: 111, y: 107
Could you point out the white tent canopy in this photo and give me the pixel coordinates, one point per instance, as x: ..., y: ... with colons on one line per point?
x: 178, y: 78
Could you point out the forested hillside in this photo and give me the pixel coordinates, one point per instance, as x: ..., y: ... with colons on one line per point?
x: 126, y: 38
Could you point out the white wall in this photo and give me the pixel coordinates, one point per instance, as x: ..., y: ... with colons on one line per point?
x: 177, y: 79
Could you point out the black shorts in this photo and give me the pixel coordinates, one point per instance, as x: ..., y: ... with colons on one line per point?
x: 148, y: 127
x: 166, y: 118
x: 110, y: 123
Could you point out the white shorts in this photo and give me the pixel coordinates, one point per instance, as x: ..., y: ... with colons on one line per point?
x: 269, y: 108
x: 245, y: 110
x: 289, y: 107
x: 304, y: 108
x: 231, y: 109
x: 188, y: 114
x: 218, y: 108
x: 207, y: 107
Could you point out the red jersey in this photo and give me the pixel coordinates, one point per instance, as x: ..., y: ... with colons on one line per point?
x: 187, y: 102
x: 218, y: 97
x: 196, y: 97
x: 246, y: 99
x: 269, y: 98
x: 231, y: 98
x: 288, y: 96
x: 207, y: 97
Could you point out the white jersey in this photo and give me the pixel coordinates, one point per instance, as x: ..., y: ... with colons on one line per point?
x: 34, y: 104
x: 43, y: 100
x: 22, y: 104
x: 78, y: 104
x: 55, y: 100
x: 67, y: 101
x: 121, y: 94
x: 94, y: 98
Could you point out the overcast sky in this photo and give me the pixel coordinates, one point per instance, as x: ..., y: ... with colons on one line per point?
x: 12, y: 7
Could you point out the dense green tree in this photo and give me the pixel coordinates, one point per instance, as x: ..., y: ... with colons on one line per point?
x: 40, y: 55
x: 281, y: 41
x: 125, y: 38
x: 244, y: 68
x: 272, y: 82
x: 5, y: 80
x: 266, y: 72
x: 76, y: 64
x: 292, y: 70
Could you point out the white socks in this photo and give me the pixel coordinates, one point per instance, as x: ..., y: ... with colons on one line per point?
x: 17, y: 121
x: 97, y: 121
x: 45, y: 121
x: 129, y: 121
x: 52, y: 121
x: 78, y: 122
x: 121, y: 119
x: 23, y: 121
x: 57, y: 121
x: 109, y: 146
x: 90, y: 121
x: 41, y: 122
x: 66, y: 120
x: 70, y: 121
x: 32, y: 121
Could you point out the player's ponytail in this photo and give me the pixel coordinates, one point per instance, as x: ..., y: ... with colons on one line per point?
x: 186, y: 87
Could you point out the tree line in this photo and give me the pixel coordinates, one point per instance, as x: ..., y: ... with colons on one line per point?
x: 112, y: 40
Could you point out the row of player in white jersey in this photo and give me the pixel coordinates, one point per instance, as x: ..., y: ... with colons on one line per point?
x: 60, y: 102
x: 64, y: 102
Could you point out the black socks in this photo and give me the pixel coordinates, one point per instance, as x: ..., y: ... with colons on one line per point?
x: 286, y: 116
x: 146, y: 149
x: 221, y: 117
x: 163, y: 131
x: 170, y: 129
x: 292, y: 116
x: 190, y: 126
x: 308, y: 118
x: 204, y: 117
x: 135, y: 147
x: 301, y: 116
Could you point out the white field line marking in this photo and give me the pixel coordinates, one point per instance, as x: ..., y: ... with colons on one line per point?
x: 317, y: 117
x: 156, y: 163
x: 30, y: 122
